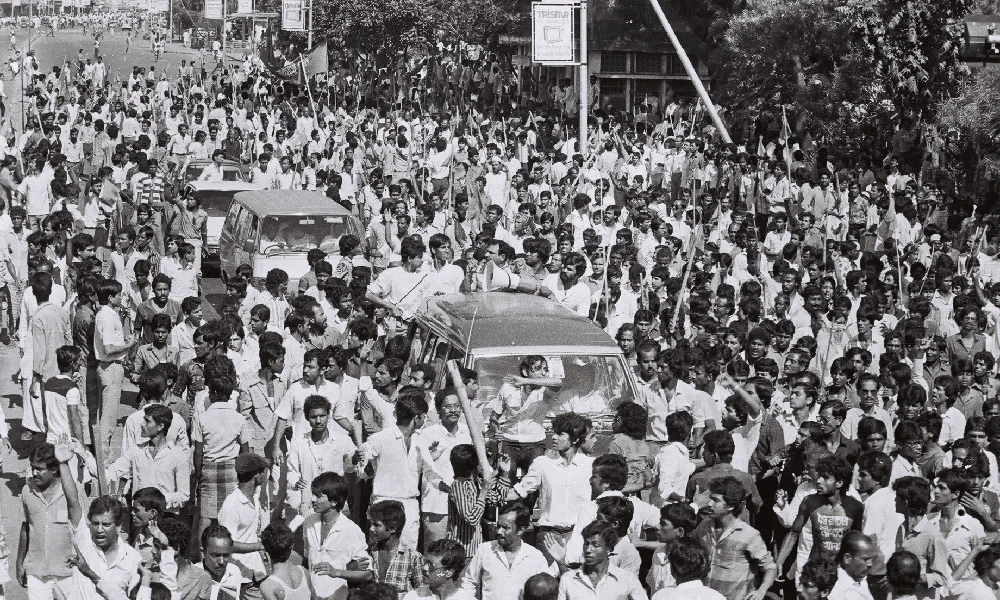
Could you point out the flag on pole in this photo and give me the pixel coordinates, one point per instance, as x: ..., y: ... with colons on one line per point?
x: 317, y: 61
x: 784, y: 136
x: 761, y: 152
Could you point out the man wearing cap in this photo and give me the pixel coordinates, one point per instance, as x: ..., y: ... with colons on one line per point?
x: 242, y: 515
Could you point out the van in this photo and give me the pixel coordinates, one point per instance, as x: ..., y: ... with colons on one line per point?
x: 216, y: 197
x: 491, y: 332
x: 275, y: 229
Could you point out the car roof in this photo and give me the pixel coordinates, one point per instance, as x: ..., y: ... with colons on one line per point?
x: 197, y: 162
x: 240, y: 186
x: 503, y: 319
x: 290, y: 202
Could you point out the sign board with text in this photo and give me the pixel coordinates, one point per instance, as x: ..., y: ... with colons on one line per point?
x: 293, y: 15
x: 213, y: 9
x: 244, y: 6
x: 553, y: 40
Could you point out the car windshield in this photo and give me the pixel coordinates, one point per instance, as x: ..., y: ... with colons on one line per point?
x: 292, y: 233
x: 592, y: 385
x: 216, y: 202
x: 229, y: 172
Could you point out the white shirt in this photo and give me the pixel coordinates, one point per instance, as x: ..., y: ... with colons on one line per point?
x: 400, y: 288
x: 343, y: 543
x: 689, y: 590
x: 674, y: 467
x: 108, y: 331
x: 616, y: 585
x: 644, y: 516
x: 120, y: 572
x: 245, y: 519
x: 490, y: 576
x: 307, y: 459
x: 397, y: 468
x: 434, y: 500
x: 563, y: 488
x: 292, y: 405
x: 576, y: 298
x: 848, y: 589
x: 881, y: 520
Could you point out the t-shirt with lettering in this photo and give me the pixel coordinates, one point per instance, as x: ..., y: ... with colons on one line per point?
x: 828, y: 523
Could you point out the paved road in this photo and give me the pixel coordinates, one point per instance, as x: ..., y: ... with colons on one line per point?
x: 52, y: 51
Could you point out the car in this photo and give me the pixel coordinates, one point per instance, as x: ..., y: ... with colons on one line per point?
x: 231, y: 170
x: 275, y: 229
x: 216, y: 197
x: 491, y: 332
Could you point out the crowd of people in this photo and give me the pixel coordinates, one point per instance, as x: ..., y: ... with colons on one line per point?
x: 813, y: 338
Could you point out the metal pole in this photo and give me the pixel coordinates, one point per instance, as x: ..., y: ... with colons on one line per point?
x: 170, y: 23
x: 584, y: 79
x: 224, y: 33
x: 692, y: 73
x: 309, y: 40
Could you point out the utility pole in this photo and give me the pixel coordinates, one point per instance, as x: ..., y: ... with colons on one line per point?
x: 691, y: 71
x: 584, y: 79
x: 309, y: 25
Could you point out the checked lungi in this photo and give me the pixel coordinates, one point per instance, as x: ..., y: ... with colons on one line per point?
x: 218, y: 480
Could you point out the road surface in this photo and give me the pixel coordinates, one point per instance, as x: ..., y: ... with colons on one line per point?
x: 53, y: 51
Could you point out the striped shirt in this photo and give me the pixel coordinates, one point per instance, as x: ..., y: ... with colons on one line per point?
x: 732, y: 551
x: 466, y: 508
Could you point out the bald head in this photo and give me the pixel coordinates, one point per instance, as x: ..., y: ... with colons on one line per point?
x: 903, y: 573
x: 541, y: 587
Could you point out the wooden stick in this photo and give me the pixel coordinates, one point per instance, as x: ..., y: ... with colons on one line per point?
x: 475, y: 429
x: 687, y: 271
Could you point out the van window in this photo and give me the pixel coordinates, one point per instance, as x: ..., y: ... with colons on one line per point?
x: 245, y: 227
x: 232, y: 221
x: 294, y: 233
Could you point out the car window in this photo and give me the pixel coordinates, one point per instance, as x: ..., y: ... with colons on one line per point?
x: 592, y: 385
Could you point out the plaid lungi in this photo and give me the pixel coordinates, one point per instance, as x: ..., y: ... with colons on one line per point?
x: 218, y: 480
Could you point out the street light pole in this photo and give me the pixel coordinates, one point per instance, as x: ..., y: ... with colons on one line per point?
x: 584, y: 79
x: 309, y: 38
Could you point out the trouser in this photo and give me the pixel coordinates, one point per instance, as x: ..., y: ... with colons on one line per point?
x: 435, y: 528
x: 439, y: 186
x: 73, y: 170
x: 111, y: 375
x: 44, y: 588
x: 90, y: 385
x: 411, y: 530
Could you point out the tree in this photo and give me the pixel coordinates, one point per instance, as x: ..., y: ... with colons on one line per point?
x: 916, y: 45
x: 798, y: 54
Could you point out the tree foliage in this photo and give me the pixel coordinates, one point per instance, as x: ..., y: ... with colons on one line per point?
x: 846, y: 69
x: 916, y: 46
x: 800, y: 54
x: 383, y: 28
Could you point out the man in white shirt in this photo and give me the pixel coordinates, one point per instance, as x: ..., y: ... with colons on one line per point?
x: 854, y: 562
x: 566, y: 287
x: 242, y: 515
x: 563, y: 482
x: 395, y: 452
x: 111, y: 345
x: 499, y: 569
x: 881, y: 521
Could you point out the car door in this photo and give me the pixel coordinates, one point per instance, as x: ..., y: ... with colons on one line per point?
x: 228, y: 240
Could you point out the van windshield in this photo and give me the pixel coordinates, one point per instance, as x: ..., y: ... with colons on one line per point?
x: 296, y: 233
x: 216, y: 202
x: 592, y: 385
